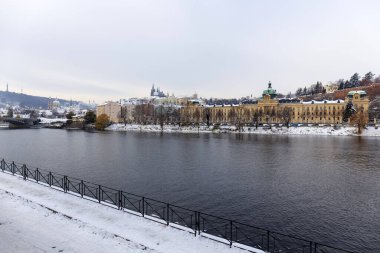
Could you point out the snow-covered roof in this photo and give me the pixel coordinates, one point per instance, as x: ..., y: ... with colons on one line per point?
x: 323, y: 102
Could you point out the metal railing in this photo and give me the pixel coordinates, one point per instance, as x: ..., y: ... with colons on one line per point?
x: 230, y: 232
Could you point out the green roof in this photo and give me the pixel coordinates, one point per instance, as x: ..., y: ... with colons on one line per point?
x: 269, y: 91
x: 360, y: 92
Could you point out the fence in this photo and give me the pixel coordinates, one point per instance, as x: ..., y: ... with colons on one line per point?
x: 232, y: 233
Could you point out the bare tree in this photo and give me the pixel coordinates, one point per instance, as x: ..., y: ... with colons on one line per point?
x: 374, y: 110
x: 360, y: 119
x: 255, y: 118
x: 219, y: 116
x: 286, y: 115
x: 232, y: 115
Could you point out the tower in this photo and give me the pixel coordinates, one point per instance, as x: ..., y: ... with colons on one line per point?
x: 7, y: 87
x: 152, y: 90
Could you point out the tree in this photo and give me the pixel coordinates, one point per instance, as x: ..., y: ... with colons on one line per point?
x: 374, y: 110
x: 377, y: 79
x: 299, y: 92
x: 10, y: 112
x: 219, y: 116
x: 247, y: 115
x: 124, y: 114
x: 354, y: 80
x: 286, y: 115
x: 232, y: 115
x: 90, y: 117
x: 102, y: 121
x: 207, y: 114
x: 348, y: 112
x: 70, y: 115
x: 359, y: 119
x: 367, y: 79
x: 341, y: 85
x: 160, y: 115
x: 255, y: 118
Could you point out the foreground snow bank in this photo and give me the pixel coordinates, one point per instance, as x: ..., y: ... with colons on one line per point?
x: 35, y: 218
x: 370, y: 131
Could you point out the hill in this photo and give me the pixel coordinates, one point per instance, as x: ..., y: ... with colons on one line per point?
x: 29, y: 101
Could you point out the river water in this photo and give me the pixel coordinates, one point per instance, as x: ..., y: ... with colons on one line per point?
x: 323, y: 188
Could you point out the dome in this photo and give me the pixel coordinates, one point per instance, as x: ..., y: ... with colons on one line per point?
x: 270, y: 91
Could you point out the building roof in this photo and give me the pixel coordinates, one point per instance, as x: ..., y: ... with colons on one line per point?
x: 353, y: 92
x: 323, y: 102
x: 270, y: 91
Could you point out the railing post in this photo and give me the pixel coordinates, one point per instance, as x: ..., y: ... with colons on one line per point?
x: 120, y: 201
x: 311, y: 247
x: 199, y: 223
x: 196, y: 222
x: 230, y: 233
x: 99, y: 189
x: 36, y: 174
x: 13, y: 167
x: 24, y: 171
x: 50, y: 179
x: 143, y: 206
x: 268, y: 234
x: 167, y: 214
x: 81, y: 188
x: 65, y: 186
x: 315, y: 247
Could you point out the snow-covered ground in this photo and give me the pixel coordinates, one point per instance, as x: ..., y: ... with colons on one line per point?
x: 35, y: 218
x: 325, y: 130
x: 48, y: 121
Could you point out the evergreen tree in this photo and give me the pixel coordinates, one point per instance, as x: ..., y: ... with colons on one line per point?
x: 354, y: 80
x: 341, y: 85
x: 348, y: 112
x: 70, y: 115
x: 299, y: 92
x: 89, y: 117
x: 10, y: 112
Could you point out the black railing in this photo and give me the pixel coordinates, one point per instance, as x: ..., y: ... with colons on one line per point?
x: 232, y: 233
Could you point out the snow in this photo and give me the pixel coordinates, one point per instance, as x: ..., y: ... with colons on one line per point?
x: 304, y: 130
x: 49, y: 121
x: 35, y: 218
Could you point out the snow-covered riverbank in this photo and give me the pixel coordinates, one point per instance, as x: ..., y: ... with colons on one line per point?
x: 325, y: 130
x: 35, y: 218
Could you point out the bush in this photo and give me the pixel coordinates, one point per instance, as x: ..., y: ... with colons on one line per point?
x: 102, y: 121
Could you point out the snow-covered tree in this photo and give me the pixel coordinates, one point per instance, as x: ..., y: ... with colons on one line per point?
x: 355, y: 80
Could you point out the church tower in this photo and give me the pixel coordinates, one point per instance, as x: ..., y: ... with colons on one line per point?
x: 152, y: 91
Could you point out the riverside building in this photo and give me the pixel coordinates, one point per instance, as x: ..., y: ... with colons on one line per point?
x: 271, y: 110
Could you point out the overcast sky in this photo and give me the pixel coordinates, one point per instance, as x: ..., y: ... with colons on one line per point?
x: 101, y: 50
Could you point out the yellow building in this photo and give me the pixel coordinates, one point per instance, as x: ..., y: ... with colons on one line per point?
x: 111, y: 109
x: 269, y: 109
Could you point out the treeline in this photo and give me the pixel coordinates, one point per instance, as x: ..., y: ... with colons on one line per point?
x: 354, y: 81
x: 313, y: 89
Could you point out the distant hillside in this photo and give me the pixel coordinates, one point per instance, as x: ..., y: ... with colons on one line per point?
x: 372, y: 90
x: 24, y: 100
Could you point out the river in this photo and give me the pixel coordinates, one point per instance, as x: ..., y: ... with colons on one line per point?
x: 323, y: 188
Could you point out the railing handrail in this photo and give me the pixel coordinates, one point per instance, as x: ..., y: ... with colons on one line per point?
x: 22, y: 170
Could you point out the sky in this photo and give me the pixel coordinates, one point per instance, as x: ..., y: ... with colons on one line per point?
x: 108, y: 50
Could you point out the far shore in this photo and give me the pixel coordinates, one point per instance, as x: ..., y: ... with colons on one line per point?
x: 266, y: 130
